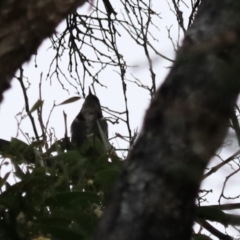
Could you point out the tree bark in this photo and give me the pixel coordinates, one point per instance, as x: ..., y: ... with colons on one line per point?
x: 184, y: 125
x: 24, y: 24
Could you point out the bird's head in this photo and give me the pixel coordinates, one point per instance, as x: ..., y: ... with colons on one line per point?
x: 91, y: 108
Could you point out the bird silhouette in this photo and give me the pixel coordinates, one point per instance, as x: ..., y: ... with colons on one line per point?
x: 88, y: 120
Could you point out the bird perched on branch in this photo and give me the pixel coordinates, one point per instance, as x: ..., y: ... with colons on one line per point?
x: 88, y: 121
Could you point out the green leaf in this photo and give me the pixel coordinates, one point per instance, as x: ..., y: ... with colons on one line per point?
x: 10, y: 197
x: 102, y: 163
x: 36, y: 105
x: 39, y: 172
x: 116, y: 161
x: 200, y: 237
x: 59, y: 230
x: 60, y: 146
x: 18, y: 144
x: 80, y: 199
x: 4, y: 145
x: 70, y: 100
x: 86, y: 222
x: 66, y: 162
x: 4, y: 179
x: 20, y: 152
x: 107, y: 178
x: 37, y: 143
x: 68, y: 157
x: 19, y: 172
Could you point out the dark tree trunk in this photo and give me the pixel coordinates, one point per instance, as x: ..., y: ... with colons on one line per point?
x: 23, y: 26
x: 184, y: 125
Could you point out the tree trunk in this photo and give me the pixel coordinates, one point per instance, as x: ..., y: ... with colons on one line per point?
x: 184, y: 125
x: 23, y: 26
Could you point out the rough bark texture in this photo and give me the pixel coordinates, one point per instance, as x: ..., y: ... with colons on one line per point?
x: 183, y: 127
x: 24, y: 24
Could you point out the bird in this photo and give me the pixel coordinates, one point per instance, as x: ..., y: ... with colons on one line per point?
x: 88, y: 121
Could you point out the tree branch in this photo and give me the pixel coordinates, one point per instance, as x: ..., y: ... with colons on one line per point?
x: 217, y: 167
x: 23, y: 27
x: 184, y: 126
x: 214, y: 231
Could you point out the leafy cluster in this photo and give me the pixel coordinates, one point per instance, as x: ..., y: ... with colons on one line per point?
x: 60, y: 194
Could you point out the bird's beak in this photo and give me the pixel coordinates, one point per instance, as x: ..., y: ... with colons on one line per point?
x: 89, y: 91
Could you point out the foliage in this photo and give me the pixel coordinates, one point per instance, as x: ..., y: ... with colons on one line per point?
x: 60, y: 192
x: 57, y: 196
